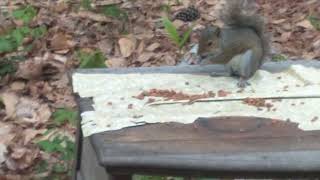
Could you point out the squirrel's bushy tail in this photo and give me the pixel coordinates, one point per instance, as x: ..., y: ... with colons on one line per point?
x: 242, y: 13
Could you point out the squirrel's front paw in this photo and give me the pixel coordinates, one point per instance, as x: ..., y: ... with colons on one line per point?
x: 242, y: 83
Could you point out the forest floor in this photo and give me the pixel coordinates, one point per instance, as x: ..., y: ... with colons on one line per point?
x: 42, y: 40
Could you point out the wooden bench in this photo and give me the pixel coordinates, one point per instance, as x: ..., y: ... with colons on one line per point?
x: 245, y: 147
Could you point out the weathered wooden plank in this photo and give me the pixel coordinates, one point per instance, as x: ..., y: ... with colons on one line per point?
x: 90, y: 168
x: 83, y: 104
x: 238, y: 145
x: 269, y: 66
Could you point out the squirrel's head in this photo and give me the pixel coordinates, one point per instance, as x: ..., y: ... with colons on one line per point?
x: 209, y: 40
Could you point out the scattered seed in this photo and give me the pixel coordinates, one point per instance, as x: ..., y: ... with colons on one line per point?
x: 314, y: 119
x: 222, y: 93
x: 173, y: 95
x: 151, y: 100
x: 137, y: 116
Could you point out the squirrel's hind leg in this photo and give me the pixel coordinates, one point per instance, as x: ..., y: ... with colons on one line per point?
x: 246, y: 67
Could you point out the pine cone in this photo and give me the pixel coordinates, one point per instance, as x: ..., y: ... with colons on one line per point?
x: 187, y: 15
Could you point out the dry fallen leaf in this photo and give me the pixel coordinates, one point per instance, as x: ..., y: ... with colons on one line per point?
x: 285, y: 37
x: 18, y: 153
x: 309, y: 56
x: 316, y: 44
x: 31, y: 111
x: 144, y: 57
x: 61, y: 41
x: 117, y: 62
x: 153, y: 46
x: 60, y: 7
x: 211, y: 2
x: 107, y: 2
x: 306, y: 24
x: 141, y: 47
x: 7, y: 133
x: 30, y: 134
x: 279, y: 21
x: 17, y: 85
x: 92, y: 16
x: 106, y: 46
x: 30, y: 69
x: 127, y: 45
x: 170, y: 61
x: 178, y: 24
x: 10, y: 100
x: 22, y: 158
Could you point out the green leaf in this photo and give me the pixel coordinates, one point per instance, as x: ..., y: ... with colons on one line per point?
x: 86, y: 4
x: 52, y: 146
x: 59, y: 168
x: 91, y: 60
x: 19, y: 34
x: 171, y: 30
x: 278, y: 58
x: 47, y: 146
x: 39, y: 32
x: 69, y: 150
x: 6, y: 67
x: 63, y: 115
x: 28, y: 48
x: 166, y: 8
x: 6, y: 45
x: 115, y: 11
x: 185, y: 37
x: 26, y: 14
x: 64, y: 147
x: 47, y: 132
x: 315, y: 21
x: 42, y: 166
x: 15, y: 58
x: 13, y: 39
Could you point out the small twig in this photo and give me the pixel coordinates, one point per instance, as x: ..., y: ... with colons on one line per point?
x: 230, y: 99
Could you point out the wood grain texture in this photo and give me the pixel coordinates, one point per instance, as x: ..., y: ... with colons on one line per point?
x: 246, y: 146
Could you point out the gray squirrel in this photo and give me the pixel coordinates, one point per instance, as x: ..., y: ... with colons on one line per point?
x: 241, y: 44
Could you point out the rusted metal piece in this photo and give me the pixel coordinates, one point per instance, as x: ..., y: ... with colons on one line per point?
x: 246, y: 146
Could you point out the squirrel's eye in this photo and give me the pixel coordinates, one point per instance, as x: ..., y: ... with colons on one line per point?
x: 210, y: 43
